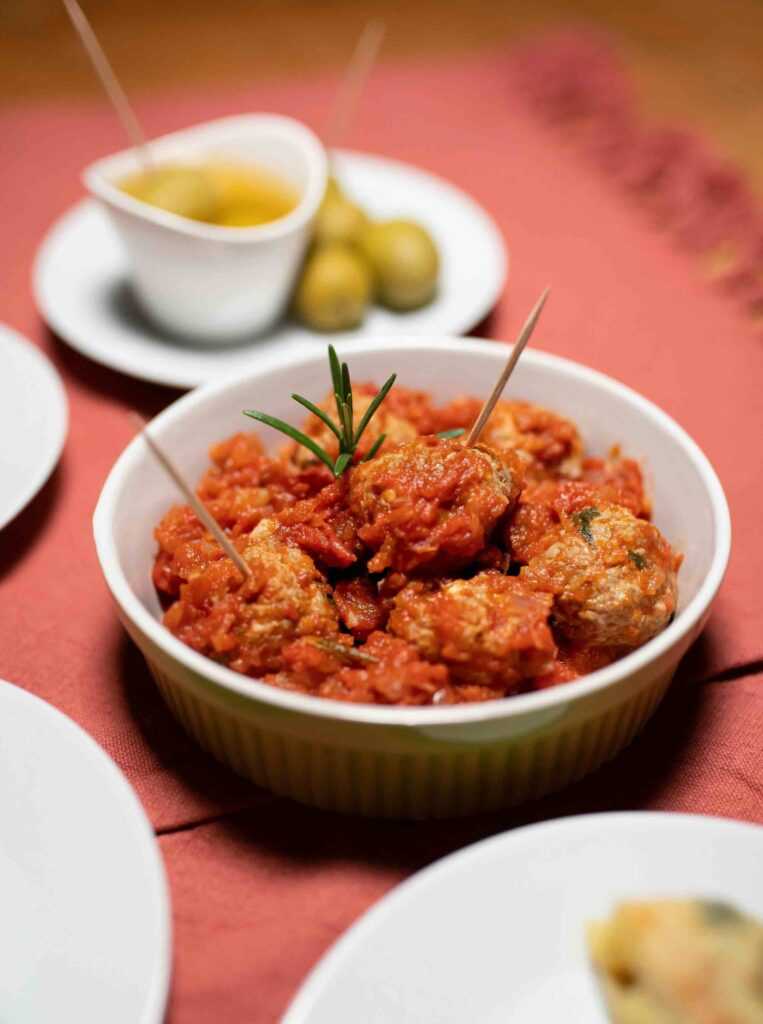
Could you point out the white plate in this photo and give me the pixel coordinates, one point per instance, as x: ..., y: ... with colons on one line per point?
x: 80, y: 280
x: 84, y: 924
x: 495, y: 933
x: 33, y: 421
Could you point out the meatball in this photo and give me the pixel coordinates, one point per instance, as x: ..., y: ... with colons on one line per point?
x: 242, y: 487
x: 430, y: 504
x: 491, y: 630
x: 246, y: 624
x: 539, y: 511
x: 612, y: 576
x: 385, y: 670
x: 547, y: 444
x: 402, y: 416
x: 543, y: 503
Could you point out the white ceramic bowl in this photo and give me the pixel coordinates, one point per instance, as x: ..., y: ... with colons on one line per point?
x: 203, y: 282
x: 414, y: 762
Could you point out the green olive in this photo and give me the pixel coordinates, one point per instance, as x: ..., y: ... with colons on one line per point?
x: 404, y: 263
x: 334, y: 289
x: 338, y: 219
x: 184, y: 191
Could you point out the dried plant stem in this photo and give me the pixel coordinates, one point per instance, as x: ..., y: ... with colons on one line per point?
x: 341, y: 651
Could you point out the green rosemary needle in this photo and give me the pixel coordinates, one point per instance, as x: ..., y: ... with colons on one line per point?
x: 343, y: 429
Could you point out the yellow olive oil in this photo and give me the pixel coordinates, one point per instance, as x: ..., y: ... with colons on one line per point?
x: 233, y: 195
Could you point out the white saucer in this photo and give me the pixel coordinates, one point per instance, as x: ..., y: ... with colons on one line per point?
x: 80, y: 280
x: 496, y: 932
x: 85, y: 924
x: 33, y: 421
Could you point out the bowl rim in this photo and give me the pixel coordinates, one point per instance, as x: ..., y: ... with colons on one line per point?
x: 411, y: 717
x: 98, y: 179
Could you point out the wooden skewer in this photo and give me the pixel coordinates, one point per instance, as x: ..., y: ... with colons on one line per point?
x: 516, y: 352
x: 109, y: 81
x: 193, y: 500
x: 363, y: 58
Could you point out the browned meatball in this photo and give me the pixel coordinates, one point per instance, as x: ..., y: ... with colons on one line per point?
x: 241, y: 487
x: 547, y: 444
x: 246, y: 624
x: 613, y: 577
x: 491, y: 630
x: 543, y: 503
x: 430, y: 504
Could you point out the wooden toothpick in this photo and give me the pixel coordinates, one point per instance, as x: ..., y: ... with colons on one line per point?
x: 109, y: 81
x: 516, y: 352
x: 363, y: 58
x: 193, y: 500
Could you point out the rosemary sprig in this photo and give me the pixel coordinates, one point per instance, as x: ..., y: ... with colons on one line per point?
x: 343, y: 429
x: 446, y: 435
x: 340, y: 651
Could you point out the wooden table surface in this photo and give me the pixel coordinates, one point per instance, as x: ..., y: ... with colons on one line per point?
x: 697, y: 62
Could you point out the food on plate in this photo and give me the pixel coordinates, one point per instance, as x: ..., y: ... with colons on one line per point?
x: 248, y: 624
x: 404, y: 263
x: 390, y: 562
x: 353, y: 260
x: 544, y: 502
x: 227, y: 194
x: 491, y: 630
x: 339, y: 219
x: 334, y: 288
x: 680, y: 962
x: 544, y: 441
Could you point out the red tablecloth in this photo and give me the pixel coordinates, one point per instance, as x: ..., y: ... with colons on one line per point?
x: 259, y: 886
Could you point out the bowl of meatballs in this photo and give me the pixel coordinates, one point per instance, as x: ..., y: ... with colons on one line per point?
x: 426, y: 627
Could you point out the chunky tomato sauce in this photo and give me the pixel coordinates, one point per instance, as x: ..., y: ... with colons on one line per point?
x: 430, y: 573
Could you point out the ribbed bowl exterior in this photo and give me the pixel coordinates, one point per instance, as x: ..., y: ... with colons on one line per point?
x: 415, y: 762
x: 434, y: 773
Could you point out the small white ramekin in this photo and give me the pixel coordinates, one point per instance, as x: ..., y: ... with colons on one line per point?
x: 203, y: 282
x: 414, y: 762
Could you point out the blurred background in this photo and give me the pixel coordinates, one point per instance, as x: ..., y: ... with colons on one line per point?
x: 698, y: 62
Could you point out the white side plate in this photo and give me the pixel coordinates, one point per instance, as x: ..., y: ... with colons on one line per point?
x: 84, y: 924
x: 33, y: 422
x: 496, y: 932
x: 81, y: 289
